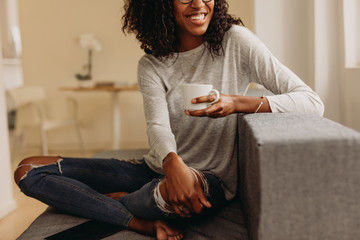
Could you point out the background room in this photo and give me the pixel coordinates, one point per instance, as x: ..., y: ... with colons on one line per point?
x: 40, y: 47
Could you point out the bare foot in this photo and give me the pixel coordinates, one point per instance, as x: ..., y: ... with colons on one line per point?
x: 116, y: 195
x: 158, y: 228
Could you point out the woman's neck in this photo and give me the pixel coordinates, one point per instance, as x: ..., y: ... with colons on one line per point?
x: 188, y: 43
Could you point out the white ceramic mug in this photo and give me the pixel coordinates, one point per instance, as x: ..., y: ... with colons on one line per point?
x: 191, y: 91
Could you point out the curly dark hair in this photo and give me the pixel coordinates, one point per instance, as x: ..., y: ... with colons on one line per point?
x: 153, y: 23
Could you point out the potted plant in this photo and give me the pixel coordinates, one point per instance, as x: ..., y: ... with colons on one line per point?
x: 91, y: 44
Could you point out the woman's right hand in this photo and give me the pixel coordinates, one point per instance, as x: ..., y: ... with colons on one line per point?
x: 229, y: 104
x: 184, y: 192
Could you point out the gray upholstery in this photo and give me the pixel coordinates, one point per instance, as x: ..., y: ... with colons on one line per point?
x: 299, y: 179
x: 227, y: 224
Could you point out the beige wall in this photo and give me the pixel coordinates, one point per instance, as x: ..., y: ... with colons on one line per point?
x: 243, y: 9
x: 51, y: 57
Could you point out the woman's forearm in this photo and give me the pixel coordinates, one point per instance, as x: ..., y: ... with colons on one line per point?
x: 250, y: 104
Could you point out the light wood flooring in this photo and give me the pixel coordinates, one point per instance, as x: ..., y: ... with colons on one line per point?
x: 27, y: 208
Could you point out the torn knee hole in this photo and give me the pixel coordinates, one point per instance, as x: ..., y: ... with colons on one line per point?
x: 20, y: 173
x: 24, y: 168
x: 160, y: 202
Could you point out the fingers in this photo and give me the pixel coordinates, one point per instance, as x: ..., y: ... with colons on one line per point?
x: 185, y: 196
x: 181, y: 211
x: 185, y: 212
x: 204, y: 201
x: 192, y: 203
x: 202, y: 99
x: 214, y: 110
x: 185, y: 205
x: 201, y: 200
x: 195, y: 204
x: 225, y: 106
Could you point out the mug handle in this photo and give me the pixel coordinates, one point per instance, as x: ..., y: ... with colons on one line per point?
x: 216, y: 92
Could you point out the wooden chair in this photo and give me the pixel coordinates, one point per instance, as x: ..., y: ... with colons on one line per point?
x: 29, y: 103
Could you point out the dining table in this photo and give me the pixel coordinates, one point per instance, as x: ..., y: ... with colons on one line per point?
x: 114, y: 90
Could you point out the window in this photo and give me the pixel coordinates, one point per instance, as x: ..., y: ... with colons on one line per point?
x: 351, y: 10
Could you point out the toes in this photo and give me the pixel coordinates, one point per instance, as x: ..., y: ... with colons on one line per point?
x: 161, y: 234
x: 175, y: 237
x: 164, y: 231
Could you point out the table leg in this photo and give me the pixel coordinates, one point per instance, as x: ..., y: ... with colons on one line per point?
x: 116, y: 120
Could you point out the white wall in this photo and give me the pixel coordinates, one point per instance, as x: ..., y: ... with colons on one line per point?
x: 7, y: 202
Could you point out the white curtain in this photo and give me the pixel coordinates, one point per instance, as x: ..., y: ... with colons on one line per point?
x: 11, y: 44
x: 304, y: 35
x: 328, y: 63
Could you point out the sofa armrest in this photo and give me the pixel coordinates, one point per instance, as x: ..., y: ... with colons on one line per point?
x: 299, y: 177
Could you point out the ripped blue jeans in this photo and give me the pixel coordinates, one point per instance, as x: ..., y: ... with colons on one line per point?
x: 77, y: 186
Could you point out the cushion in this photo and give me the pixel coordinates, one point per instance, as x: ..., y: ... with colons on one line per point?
x: 299, y: 177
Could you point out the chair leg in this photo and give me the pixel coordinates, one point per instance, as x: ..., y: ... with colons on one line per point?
x: 13, y: 144
x: 18, y: 142
x: 44, y: 144
x: 80, y: 139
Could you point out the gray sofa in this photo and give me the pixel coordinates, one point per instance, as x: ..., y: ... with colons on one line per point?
x: 299, y: 179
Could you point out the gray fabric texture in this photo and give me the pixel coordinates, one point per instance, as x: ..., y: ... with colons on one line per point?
x: 227, y: 224
x: 299, y: 177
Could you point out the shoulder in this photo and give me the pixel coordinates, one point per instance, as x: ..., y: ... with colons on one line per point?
x: 150, y: 61
x: 147, y: 63
x: 242, y: 36
x: 147, y: 60
x: 239, y: 33
x: 152, y: 69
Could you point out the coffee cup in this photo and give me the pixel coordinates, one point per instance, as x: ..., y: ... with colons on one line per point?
x: 191, y: 91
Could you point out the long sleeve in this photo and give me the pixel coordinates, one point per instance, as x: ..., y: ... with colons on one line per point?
x: 160, y: 136
x: 291, y: 93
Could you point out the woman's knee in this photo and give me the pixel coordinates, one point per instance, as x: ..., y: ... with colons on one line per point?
x: 30, y: 163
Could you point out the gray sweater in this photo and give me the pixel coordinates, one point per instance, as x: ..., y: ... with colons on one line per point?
x: 209, y: 144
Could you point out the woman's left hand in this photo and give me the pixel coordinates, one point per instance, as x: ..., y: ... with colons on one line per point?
x: 222, y: 108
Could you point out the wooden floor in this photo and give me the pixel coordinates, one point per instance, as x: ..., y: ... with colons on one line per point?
x: 27, y: 208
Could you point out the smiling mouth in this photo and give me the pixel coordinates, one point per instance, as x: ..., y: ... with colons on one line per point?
x: 197, y: 17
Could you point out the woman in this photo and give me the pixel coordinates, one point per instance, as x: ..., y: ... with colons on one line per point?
x: 191, y: 167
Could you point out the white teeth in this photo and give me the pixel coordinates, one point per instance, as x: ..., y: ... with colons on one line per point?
x: 197, y: 17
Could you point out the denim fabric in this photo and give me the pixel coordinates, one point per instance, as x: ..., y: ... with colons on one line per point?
x: 77, y: 186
